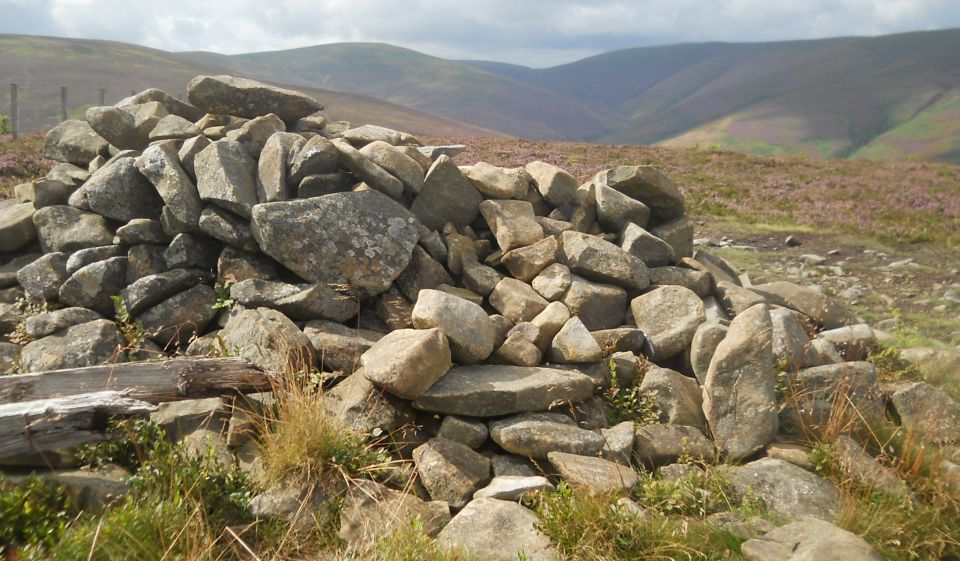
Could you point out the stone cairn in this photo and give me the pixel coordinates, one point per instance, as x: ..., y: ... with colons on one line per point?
x: 489, y: 308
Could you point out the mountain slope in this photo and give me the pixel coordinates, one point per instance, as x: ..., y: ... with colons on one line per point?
x: 822, y: 98
x: 444, y: 87
x: 40, y: 65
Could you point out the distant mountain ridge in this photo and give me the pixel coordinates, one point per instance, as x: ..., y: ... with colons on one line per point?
x: 40, y: 65
x: 889, y: 97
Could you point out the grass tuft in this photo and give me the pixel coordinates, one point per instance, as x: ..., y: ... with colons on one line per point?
x: 594, y: 528
x: 300, y: 441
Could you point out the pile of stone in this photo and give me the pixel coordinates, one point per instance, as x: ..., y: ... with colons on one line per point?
x: 489, y: 308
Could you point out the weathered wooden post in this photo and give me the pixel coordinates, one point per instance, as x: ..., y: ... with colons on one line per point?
x: 63, y: 103
x: 15, y: 109
x: 103, y: 96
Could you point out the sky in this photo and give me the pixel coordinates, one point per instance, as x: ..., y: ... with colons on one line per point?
x: 536, y: 33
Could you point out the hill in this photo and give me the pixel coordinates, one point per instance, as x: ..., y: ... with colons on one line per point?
x: 42, y: 64
x: 445, y: 87
x: 829, y: 98
x: 877, y: 97
x: 890, y: 97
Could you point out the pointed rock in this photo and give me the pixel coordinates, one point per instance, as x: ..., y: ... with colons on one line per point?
x: 739, y: 393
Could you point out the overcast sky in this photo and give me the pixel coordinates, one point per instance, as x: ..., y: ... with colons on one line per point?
x: 530, y: 32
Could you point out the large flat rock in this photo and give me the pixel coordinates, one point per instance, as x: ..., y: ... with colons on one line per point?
x: 248, y: 98
x: 360, y: 241
x: 490, y: 391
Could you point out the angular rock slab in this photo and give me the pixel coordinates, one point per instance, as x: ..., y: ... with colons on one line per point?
x: 371, y: 511
x: 669, y: 317
x: 86, y: 344
x: 406, y: 362
x: 820, y: 308
x: 73, y: 141
x: 599, y: 260
x: 226, y: 176
x: 787, y: 490
x: 362, y: 240
x: 739, y: 393
x: 491, y: 391
x: 120, y: 192
x: 513, y: 487
x: 16, y: 226
x: 678, y: 398
x: 647, y: 185
x: 496, y: 530
x: 595, y: 474
x: 446, y: 196
x: 809, y: 539
x: 451, y: 471
x: 929, y: 411
x: 534, y: 435
x: 270, y: 340
x: 469, y: 330
x: 248, y: 98
x: 64, y: 228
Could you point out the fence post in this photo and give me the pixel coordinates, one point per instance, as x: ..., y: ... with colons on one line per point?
x: 15, y: 109
x: 103, y: 96
x: 63, y: 103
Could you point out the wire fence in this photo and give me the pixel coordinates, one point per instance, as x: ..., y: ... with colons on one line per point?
x: 13, y: 123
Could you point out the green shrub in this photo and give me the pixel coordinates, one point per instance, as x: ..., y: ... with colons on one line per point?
x: 34, y: 513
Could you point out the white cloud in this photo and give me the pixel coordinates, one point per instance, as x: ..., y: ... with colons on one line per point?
x: 534, y: 32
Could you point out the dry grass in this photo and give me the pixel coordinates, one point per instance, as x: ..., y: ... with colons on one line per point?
x: 923, y: 524
x: 300, y: 441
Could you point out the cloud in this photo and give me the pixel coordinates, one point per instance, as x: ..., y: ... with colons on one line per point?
x: 532, y: 32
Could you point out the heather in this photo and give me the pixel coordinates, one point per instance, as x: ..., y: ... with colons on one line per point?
x: 889, y: 201
x: 20, y: 161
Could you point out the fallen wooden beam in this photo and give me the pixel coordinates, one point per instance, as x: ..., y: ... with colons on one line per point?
x: 51, y: 424
x: 154, y: 382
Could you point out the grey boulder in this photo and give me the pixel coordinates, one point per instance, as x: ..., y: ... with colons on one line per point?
x: 248, y: 98
x: 361, y: 241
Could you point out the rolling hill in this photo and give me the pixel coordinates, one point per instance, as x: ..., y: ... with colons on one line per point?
x: 445, y: 87
x: 40, y: 65
x: 889, y: 97
x: 823, y: 98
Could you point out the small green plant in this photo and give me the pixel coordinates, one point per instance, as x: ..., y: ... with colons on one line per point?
x: 823, y: 459
x: 224, y: 301
x: 4, y: 124
x: 697, y: 493
x: 32, y: 514
x: 892, y: 367
x: 629, y: 404
x: 132, y: 330
x: 179, y: 506
x: 166, y: 471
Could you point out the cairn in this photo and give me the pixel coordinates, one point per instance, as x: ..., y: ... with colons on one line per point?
x: 491, y: 307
